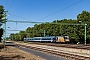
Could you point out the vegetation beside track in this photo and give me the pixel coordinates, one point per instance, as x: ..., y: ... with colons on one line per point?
x: 11, y: 53
x: 1, y: 46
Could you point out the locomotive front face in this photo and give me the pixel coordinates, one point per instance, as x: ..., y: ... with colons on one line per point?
x: 66, y: 39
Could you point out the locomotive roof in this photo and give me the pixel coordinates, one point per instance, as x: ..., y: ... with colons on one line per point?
x: 51, y: 36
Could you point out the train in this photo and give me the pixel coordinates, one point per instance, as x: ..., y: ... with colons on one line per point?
x: 58, y: 39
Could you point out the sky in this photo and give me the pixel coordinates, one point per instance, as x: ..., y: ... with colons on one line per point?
x: 41, y: 11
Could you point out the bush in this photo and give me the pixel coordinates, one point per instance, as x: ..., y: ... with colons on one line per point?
x: 1, y: 46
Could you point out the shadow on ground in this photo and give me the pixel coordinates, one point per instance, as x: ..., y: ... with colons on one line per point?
x: 16, y: 57
x: 1, y: 58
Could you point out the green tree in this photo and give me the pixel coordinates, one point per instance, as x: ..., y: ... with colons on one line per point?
x: 1, y: 16
x: 22, y: 35
x: 29, y: 32
x: 84, y: 17
x: 12, y: 37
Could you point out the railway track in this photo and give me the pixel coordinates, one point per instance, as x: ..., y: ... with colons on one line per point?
x: 86, y: 47
x: 58, y: 53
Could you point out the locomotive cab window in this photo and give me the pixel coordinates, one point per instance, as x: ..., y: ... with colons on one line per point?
x: 66, y: 37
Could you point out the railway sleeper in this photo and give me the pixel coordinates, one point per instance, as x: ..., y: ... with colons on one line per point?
x: 87, y: 58
x: 63, y: 55
x: 27, y: 46
x: 49, y: 51
x: 61, y: 52
x: 53, y: 52
x: 40, y: 49
x: 76, y: 58
x: 81, y: 58
x: 73, y: 57
x: 31, y: 47
x: 68, y: 56
x: 84, y: 58
x: 44, y: 50
x: 36, y: 48
x: 88, y: 48
x: 58, y: 54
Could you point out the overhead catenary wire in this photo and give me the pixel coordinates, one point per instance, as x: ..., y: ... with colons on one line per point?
x: 6, y: 3
x: 11, y: 4
x: 50, y: 14
x: 60, y: 10
x: 20, y: 17
x: 17, y: 15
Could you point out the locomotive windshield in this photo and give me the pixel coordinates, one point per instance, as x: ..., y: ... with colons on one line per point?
x: 66, y: 37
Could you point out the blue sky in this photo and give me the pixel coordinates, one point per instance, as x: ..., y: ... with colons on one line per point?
x: 36, y: 10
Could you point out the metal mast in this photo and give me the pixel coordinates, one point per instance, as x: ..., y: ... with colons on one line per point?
x: 4, y: 27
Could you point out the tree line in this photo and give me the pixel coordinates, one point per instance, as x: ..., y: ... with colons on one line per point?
x: 75, y: 32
